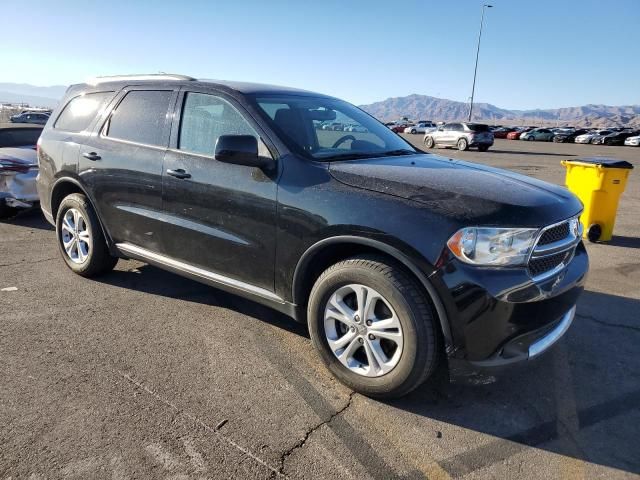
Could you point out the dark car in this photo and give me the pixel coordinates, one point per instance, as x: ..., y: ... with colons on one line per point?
x: 614, y: 138
x: 30, y: 117
x: 19, y: 135
x: 569, y: 137
x: 394, y: 258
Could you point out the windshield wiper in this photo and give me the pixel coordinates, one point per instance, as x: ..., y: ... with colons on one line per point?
x: 349, y: 156
x: 393, y: 153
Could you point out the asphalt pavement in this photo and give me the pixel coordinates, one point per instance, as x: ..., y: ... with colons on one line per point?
x: 143, y: 374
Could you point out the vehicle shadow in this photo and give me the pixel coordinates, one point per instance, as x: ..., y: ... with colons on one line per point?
x: 155, y: 281
x: 566, y: 402
x: 30, y: 218
x: 579, y: 400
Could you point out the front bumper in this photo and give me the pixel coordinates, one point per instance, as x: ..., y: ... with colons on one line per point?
x: 499, y: 317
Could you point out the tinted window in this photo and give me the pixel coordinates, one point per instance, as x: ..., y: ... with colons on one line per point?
x: 19, y: 137
x: 141, y: 117
x: 207, y: 117
x: 79, y: 112
x: 478, y: 127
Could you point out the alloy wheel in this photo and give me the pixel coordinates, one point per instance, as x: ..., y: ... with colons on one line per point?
x: 76, y: 238
x: 363, y: 330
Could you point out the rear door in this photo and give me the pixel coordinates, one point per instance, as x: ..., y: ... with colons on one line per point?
x: 219, y: 216
x: 121, y: 164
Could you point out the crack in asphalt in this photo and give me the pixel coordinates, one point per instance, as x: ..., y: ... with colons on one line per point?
x: 178, y: 411
x: 27, y: 263
x: 609, y: 324
x: 301, y: 443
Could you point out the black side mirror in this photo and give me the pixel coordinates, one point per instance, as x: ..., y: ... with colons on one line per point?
x: 240, y: 150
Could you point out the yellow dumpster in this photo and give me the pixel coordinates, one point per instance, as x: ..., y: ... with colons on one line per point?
x: 598, y: 182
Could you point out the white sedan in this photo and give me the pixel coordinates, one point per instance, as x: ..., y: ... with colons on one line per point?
x: 587, y: 137
x: 421, y: 127
x: 632, y: 141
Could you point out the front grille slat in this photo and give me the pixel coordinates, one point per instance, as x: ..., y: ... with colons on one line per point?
x: 542, y: 262
x: 554, y: 234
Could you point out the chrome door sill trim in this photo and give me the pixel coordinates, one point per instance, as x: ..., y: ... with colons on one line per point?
x: 162, y: 260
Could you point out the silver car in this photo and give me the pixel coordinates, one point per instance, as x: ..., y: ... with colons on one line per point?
x: 18, y: 171
x: 460, y: 135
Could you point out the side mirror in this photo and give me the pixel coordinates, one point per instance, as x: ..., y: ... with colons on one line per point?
x: 240, y: 150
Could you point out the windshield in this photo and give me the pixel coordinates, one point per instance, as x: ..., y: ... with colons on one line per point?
x: 330, y: 129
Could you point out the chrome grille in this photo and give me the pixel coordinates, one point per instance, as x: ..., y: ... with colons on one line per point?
x: 554, y: 234
x: 555, y: 248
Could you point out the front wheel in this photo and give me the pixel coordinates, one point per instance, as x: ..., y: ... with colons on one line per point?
x: 483, y: 148
x: 80, y: 238
x: 429, y: 142
x: 413, y: 131
x: 463, y: 144
x: 373, y: 327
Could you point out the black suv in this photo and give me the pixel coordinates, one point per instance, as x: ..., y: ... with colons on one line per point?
x: 396, y: 259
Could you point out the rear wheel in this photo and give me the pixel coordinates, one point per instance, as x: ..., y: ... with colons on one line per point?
x: 429, y: 142
x: 373, y: 327
x: 463, y: 144
x: 531, y: 138
x: 80, y: 238
x: 483, y: 148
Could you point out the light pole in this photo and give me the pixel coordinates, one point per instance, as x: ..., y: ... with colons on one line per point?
x: 475, y: 71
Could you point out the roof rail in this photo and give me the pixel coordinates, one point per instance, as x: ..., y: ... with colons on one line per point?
x: 146, y: 76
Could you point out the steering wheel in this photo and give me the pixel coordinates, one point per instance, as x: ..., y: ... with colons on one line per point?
x: 344, y: 138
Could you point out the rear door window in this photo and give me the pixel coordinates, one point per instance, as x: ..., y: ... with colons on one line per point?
x: 141, y: 117
x: 478, y: 127
x: 81, y: 110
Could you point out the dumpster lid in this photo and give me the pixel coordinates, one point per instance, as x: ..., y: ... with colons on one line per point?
x: 605, y: 162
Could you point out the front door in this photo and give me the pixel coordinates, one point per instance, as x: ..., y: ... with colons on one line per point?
x: 218, y: 216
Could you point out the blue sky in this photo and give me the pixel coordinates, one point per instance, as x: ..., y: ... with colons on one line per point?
x: 535, y: 54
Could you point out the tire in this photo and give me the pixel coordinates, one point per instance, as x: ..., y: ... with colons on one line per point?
x: 462, y: 144
x: 414, y: 131
x: 531, y: 139
x: 483, y: 148
x: 92, y: 256
x: 7, y: 212
x: 429, y: 142
x: 418, y: 356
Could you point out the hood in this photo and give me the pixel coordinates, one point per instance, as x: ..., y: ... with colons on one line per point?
x: 471, y: 193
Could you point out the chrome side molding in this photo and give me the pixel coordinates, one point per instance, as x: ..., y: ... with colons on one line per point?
x: 191, y: 270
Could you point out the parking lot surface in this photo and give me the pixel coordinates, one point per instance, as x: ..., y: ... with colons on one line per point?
x: 144, y: 374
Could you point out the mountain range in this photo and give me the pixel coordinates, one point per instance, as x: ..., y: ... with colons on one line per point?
x: 439, y: 109
x: 31, y: 94
x: 412, y: 106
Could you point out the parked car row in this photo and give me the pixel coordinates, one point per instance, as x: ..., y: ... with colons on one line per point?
x: 341, y: 127
x: 612, y: 136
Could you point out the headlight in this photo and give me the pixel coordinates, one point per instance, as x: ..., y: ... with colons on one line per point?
x: 493, y: 246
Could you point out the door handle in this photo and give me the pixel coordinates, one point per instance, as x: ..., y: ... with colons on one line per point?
x: 178, y: 173
x: 93, y: 156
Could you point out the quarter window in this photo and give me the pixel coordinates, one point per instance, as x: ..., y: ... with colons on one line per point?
x: 205, y: 118
x: 81, y: 110
x: 141, y: 117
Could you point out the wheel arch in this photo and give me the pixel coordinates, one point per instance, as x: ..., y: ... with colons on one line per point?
x: 329, y: 251
x: 65, y: 186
